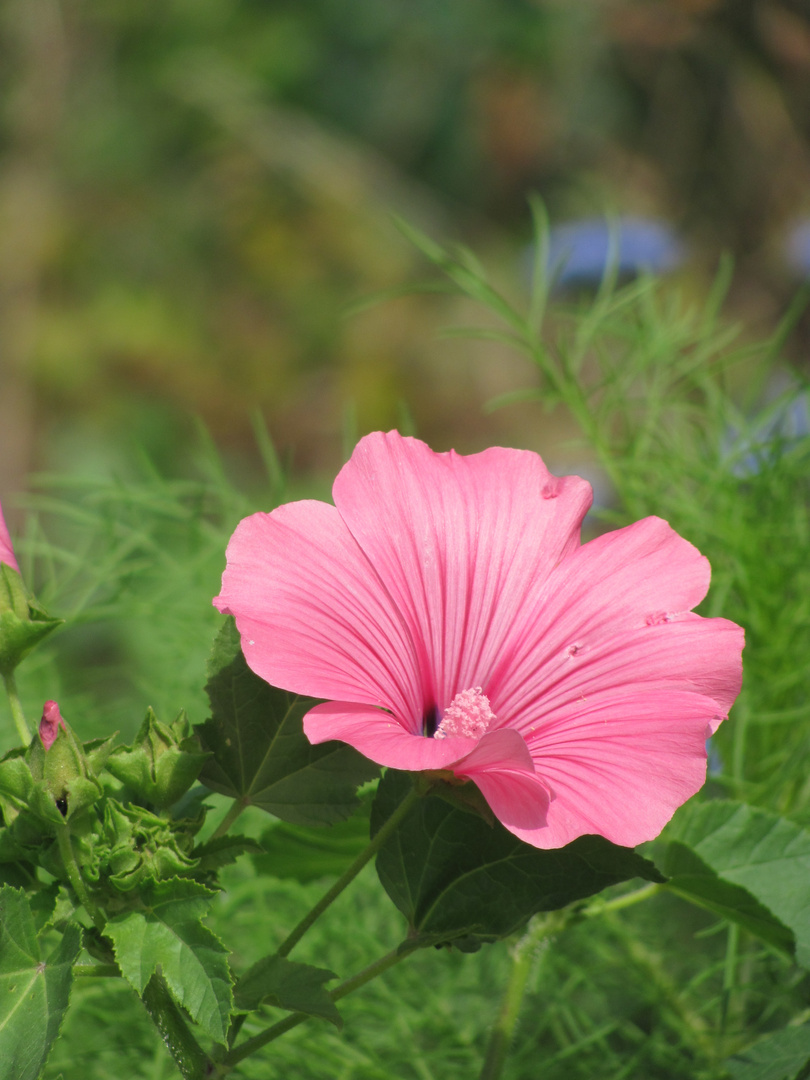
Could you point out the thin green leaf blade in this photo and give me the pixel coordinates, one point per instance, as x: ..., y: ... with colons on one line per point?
x: 168, y: 932
x: 261, y: 754
x: 33, y: 995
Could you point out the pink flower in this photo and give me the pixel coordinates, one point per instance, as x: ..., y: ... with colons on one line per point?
x: 6, y: 550
x: 50, y: 723
x: 447, y: 609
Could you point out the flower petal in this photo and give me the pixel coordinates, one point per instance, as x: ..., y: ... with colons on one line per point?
x: 458, y: 542
x: 381, y: 738
x: 502, y: 768
x: 6, y: 550
x: 638, y: 580
x: 313, y: 616
x: 619, y: 765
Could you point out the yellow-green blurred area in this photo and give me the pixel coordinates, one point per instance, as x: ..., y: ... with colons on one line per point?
x: 193, y: 192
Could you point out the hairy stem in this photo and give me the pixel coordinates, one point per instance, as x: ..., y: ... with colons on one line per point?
x: 75, y: 876
x: 349, y: 874
x: 23, y: 731
x: 189, y: 1056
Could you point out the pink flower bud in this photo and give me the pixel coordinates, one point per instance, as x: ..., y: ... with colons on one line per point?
x: 6, y: 550
x: 49, y: 724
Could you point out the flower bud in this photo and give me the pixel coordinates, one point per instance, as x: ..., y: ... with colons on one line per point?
x: 50, y: 723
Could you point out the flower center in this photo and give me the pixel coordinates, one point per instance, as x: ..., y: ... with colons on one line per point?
x: 468, y: 714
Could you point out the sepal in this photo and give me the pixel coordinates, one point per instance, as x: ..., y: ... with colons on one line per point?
x: 162, y: 763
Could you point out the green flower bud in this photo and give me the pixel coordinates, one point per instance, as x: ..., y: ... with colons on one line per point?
x: 162, y: 763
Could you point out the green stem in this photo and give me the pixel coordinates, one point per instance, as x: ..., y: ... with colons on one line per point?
x: 524, y: 957
x: 23, y: 731
x: 101, y: 971
x: 350, y: 874
x: 601, y: 907
x: 347, y: 987
x: 74, y: 875
x: 190, y: 1058
x: 233, y: 813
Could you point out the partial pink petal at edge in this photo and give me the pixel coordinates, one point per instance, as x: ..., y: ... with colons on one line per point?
x: 6, y: 550
x: 381, y: 738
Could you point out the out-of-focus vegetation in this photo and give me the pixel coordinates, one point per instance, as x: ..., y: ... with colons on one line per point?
x: 192, y: 191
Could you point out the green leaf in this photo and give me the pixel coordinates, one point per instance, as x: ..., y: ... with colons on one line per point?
x: 778, y: 1057
x: 261, y: 755
x: 167, y: 932
x: 760, y: 851
x: 455, y: 877
x: 690, y: 878
x: 33, y: 995
x: 287, y: 985
x: 222, y: 852
x: 307, y: 854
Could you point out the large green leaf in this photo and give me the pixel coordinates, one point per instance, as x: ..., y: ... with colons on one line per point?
x: 690, y: 877
x: 760, y: 851
x: 287, y: 985
x: 457, y: 878
x: 261, y: 754
x: 777, y: 1057
x: 167, y: 932
x: 33, y: 995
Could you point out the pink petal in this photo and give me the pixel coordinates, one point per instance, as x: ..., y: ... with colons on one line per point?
x: 619, y: 765
x: 6, y: 550
x: 458, y: 542
x: 50, y: 723
x: 380, y: 737
x: 313, y: 616
x: 636, y: 580
x: 502, y: 768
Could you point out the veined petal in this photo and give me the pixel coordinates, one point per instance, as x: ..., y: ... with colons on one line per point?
x: 502, y: 768
x: 640, y: 577
x: 620, y: 765
x: 6, y: 550
x: 381, y: 738
x: 690, y: 653
x: 458, y: 542
x: 313, y: 615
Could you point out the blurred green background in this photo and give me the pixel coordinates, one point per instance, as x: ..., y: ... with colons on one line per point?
x: 193, y: 191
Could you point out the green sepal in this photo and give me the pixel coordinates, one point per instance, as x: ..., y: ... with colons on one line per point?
x: 162, y: 763
x: 23, y: 624
x: 142, y: 848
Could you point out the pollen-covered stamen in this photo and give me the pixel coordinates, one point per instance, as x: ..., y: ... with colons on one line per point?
x: 468, y: 714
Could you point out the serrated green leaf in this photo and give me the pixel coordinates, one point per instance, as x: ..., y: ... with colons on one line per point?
x: 167, y: 932
x: 691, y: 878
x: 306, y: 854
x: 222, y: 852
x: 287, y: 985
x: 778, y: 1057
x: 456, y: 878
x: 760, y: 851
x: 33, y: 995
x: 261, y: 755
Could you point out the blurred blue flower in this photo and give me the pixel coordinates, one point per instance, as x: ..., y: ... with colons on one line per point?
x: 581, y: 251
x: 797, y: 248
x: 781, y: 424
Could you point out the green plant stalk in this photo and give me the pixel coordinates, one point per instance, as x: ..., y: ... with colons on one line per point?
x: 23, y: 731
x: 349, y: 874
x: 75, y: 877
x: 190, y: 1058
x: 233, y: 813
x: 347, y: 987
x: 524, y: 959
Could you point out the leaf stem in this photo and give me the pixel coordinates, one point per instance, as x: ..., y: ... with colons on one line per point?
x: 349, y: 874
x: 189, y: 1056
x: 233, y: 813
x: 74, y: 875
x: 23, y: 731
x: 347, y: 987
x: 524, y: 957
x: 100, y: 971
